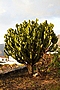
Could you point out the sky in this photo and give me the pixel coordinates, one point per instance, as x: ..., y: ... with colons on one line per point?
x: 16, y: 11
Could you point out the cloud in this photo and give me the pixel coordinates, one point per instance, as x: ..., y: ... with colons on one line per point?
x: 36, y: 8
x: 16, y: 11
x: 1, y: 10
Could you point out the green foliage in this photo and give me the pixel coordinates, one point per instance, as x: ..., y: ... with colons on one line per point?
x: 55, y: 64
x: 29, y: 41
x: 56, y: 59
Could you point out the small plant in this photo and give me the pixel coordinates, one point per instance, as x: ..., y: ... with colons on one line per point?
x: 55, y: 64
x: 56, y: 59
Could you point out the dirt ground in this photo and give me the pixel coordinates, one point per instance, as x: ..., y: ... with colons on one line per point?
x: 20, y: 80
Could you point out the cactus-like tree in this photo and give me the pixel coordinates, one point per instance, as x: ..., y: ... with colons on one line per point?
x: 29, y: 41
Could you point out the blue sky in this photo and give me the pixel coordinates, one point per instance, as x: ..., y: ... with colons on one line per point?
x: 16, y: 11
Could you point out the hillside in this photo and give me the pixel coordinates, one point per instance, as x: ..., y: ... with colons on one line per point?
x: 1, y: 49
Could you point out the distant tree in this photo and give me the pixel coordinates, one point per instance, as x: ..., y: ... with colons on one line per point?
x: 29, y: 41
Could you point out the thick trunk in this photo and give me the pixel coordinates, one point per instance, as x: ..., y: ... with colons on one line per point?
x: 30, y: 69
